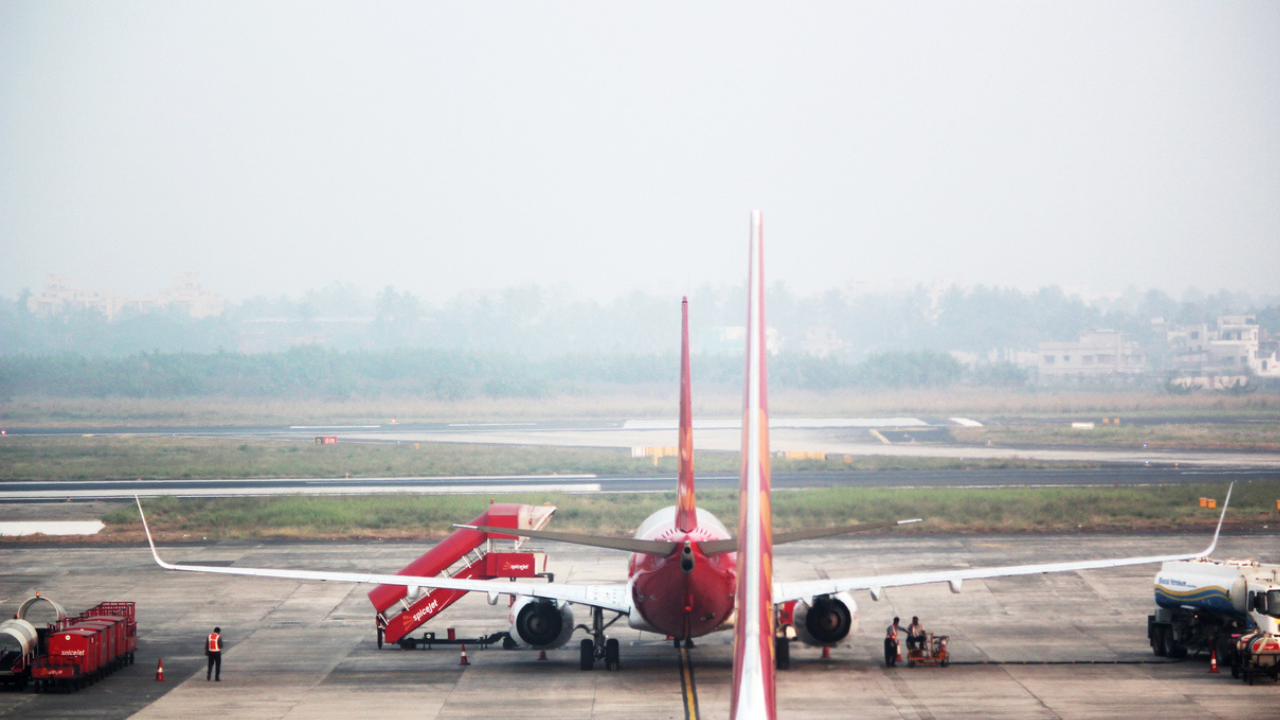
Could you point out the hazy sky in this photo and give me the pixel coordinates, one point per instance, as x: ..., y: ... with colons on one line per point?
x: 276, y: 147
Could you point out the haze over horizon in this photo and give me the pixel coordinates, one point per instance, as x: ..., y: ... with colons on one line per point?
x: 439, y: 149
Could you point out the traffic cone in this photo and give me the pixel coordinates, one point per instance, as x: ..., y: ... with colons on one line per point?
x: 464, y: 656
x: 542, y: 654
x: 826, y: 652
x: 899, y: 653
x: 159, y: 668
x: 1213, y: 662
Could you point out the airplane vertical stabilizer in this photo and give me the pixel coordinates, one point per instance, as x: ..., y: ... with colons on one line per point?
x: 753, y: 649
x: 686, y: 510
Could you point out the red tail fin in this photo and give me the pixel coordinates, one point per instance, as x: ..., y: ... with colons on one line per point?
x: 753, y: 659
x: 686, y: 510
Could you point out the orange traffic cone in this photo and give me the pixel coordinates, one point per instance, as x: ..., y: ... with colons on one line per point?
x: 826, y: 652
x: 899, y: 653
x: 1213, y: 662
x: 159, y: 668
x: 464, y: 656
x: 542, y: 654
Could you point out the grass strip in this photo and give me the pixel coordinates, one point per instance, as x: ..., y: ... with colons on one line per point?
x: 116, y: 457
x: 1258, y: 437
x: 1170, y: 507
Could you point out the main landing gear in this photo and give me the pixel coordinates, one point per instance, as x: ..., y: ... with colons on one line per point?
x: 597, y: 646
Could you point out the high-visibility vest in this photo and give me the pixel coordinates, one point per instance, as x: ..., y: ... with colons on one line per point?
x: 215, y: 643
x: 892, y: 632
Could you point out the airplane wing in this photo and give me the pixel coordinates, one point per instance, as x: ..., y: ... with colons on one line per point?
x: 609, y: 597
x: 808, y: 589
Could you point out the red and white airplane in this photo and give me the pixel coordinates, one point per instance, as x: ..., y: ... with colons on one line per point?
x: 688, y: 576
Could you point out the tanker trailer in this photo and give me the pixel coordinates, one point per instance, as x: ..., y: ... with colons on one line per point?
x: 1205, y: 605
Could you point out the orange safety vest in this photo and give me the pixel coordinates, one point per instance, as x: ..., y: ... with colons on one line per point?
x: 892, y: 632
x: 215, y: 643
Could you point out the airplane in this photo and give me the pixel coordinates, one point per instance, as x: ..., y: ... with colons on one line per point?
x: 687, y: 576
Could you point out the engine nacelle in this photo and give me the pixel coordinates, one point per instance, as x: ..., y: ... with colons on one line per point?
x: 828, y: 621
x: 540, y: 624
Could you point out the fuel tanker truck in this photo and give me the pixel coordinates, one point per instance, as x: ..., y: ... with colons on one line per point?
x: 1231, y: 607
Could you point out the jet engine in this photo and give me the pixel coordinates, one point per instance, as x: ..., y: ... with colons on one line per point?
x: 540, y: 624
x: 830, y: 619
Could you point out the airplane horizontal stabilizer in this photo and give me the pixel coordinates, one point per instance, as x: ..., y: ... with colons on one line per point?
x: 713, y: 547
x: 635, y: 545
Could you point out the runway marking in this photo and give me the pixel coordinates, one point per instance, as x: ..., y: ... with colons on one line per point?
x: 687, y: 688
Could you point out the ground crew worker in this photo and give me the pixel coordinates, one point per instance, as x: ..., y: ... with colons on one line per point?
x: 891, y: 644
x: 213, y: 649
x: 915, y: 634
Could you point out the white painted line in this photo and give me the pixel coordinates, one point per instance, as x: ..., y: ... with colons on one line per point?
x: 779, y: 423
x: 52, y: 527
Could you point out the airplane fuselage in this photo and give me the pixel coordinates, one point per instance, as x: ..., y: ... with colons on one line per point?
x: 686, y: 594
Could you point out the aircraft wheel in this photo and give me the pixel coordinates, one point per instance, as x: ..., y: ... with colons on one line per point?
x: 612, y: 653
x: 782, y: 653
x: 587, y: 655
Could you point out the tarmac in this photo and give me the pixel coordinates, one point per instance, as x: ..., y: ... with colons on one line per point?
x: 1068, y: 645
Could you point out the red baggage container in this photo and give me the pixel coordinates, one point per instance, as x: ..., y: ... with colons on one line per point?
x: 106, y: 631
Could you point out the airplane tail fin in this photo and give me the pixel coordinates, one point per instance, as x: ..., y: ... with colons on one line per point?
x: 686, y: 510
x: 753, y: 649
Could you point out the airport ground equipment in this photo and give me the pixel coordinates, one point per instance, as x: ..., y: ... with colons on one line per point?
x: 467, y: 554
x: 19, y: 644
x: 74, y: 652
x: 933, y: 652
x: 1232, y: 606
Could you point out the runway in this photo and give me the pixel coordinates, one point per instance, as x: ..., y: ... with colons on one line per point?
x: 893, y: 436
x: 300, y: 650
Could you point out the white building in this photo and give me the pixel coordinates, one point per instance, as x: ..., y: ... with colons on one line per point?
x: 186, y: 295
x: 1234, y: 346
x: 1095, y: 354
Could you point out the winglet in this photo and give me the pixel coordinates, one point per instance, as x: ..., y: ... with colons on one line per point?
x: 150, y: 541
x: 1209, y: 551
x: 686, y: 510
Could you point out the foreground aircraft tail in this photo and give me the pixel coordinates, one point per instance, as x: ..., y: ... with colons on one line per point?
x: 686, y: 509
x: 753, y: 649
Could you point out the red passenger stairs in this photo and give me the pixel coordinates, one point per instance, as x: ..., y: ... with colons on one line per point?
x: 466, y: 554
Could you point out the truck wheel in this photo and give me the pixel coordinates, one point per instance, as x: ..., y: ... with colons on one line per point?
x: 1157, y: 640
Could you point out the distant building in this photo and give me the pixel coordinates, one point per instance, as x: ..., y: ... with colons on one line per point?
x: 733, y: 338
x: 186, y: 295
x: 1096, y: 354
x: 1236, y: 345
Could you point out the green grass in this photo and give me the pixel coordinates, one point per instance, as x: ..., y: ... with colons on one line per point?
x: 1259, y: 436
x: 124, y: 457
x: 945, y: 510
x: 656, y: 401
